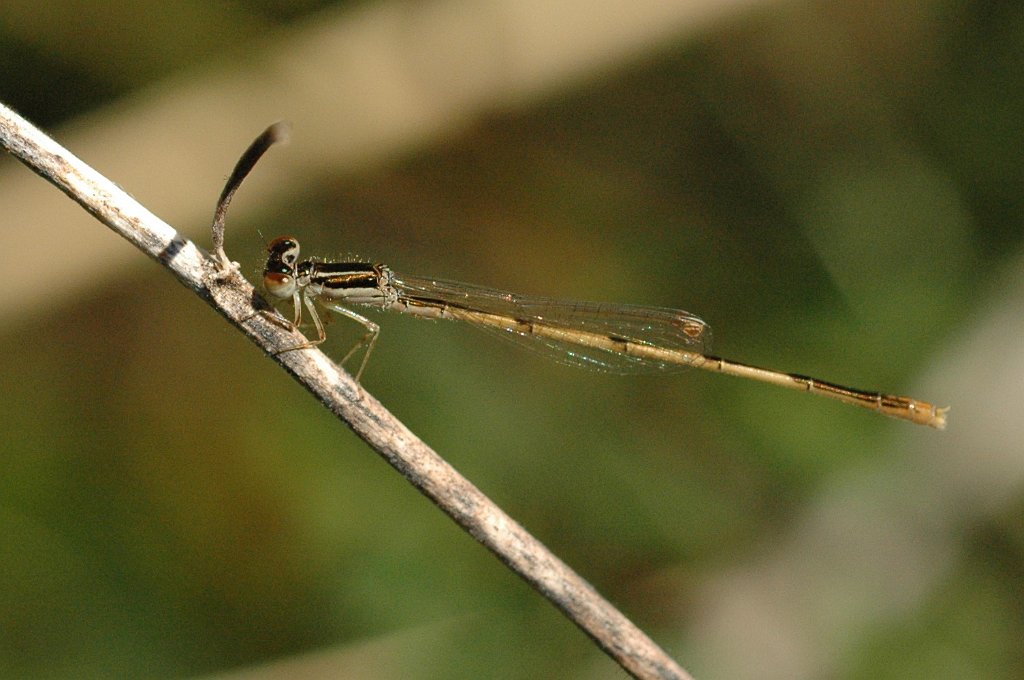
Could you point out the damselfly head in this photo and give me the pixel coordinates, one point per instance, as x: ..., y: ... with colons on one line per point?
x: 279, y: 277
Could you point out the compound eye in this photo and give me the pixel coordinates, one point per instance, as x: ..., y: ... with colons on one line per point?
x: 284, y: 249
x: 279, y: 285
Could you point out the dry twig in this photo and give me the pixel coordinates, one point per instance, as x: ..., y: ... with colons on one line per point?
x: 234, y: 298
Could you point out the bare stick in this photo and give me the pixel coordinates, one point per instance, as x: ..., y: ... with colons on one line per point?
x: 236, y: 300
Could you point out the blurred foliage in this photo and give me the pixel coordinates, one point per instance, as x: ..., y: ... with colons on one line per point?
x: 173, y: 506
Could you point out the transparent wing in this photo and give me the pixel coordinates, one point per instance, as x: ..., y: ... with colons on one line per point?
x: 669, y: 329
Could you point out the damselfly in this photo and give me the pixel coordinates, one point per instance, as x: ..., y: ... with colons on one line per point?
x: 616, y: 338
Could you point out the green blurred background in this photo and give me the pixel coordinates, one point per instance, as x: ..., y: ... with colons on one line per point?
x: 836, y: 187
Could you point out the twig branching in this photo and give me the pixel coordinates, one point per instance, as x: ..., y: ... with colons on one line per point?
x: 218, y: 283
x: 278, y: 132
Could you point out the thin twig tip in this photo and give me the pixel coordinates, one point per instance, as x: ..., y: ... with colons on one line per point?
x: 280, y: 132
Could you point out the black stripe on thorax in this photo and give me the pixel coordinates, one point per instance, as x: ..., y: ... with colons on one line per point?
x: 345, y: 275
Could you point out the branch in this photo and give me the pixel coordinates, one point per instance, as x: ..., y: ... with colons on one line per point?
x: 235, y: 299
